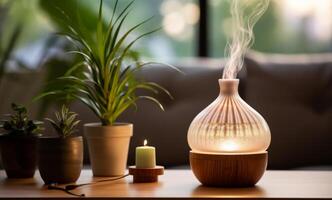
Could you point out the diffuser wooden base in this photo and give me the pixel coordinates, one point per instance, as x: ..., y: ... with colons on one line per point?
x: 228, y: 170
x: 146, y: 175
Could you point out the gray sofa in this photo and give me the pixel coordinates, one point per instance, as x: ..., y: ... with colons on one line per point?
x: 293, y: 93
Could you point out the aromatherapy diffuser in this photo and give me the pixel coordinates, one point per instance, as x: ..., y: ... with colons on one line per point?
x: 229, y: 140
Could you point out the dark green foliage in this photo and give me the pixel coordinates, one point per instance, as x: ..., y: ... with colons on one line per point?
x: 19, y: 123
x: 65, y: 122
x: 7, y: 45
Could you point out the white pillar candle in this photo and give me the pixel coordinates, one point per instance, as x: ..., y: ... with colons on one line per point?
x: 145, y: 156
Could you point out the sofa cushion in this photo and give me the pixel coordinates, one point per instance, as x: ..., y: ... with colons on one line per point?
x: 294, y: 95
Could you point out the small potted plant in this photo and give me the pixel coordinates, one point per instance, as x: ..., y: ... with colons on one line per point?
x: 61, y: 158
x: 105, y: 81
x: 19, y: 143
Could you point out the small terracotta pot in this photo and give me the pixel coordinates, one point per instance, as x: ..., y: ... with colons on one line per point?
x: 19, y: 156
x: 60, y: 160
x: 108, y: 147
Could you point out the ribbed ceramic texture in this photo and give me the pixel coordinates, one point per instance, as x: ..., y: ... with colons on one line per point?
x: 229, y: 125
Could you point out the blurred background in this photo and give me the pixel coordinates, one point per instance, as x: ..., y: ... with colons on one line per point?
x: 190, y: 29
x: 289, y: 26
x: 31, y: 54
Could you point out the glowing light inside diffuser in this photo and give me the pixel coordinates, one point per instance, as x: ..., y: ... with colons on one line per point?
x: 229, y: 145
x: 229, y: 125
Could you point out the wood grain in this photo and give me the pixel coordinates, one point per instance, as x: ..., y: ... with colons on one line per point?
x: 235, y: 170
x: 146, y: 175
x: 181, y: 184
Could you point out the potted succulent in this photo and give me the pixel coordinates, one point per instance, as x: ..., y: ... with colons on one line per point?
x: 19, y: 143
x: 107, y: 85
x: 60, y: 159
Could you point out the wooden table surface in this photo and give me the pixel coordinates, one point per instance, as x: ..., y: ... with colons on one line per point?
x: 181, y: 184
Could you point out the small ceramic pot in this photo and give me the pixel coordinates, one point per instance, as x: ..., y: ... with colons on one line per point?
x: 108, y: 147
x: 19, y: 156
x: 60, y: 160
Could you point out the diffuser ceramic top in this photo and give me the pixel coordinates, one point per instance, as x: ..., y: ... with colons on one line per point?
x: 229, y: 125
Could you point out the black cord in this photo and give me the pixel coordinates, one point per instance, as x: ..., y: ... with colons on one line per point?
x: 55, y: 187
x: 68, y: 188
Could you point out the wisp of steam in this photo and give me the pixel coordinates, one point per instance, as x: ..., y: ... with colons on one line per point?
x: 245, y: 14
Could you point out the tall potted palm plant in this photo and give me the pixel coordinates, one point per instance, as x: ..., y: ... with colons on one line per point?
x: 107, y: 85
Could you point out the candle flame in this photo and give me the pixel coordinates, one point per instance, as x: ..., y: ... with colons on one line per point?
x: 145, y: 142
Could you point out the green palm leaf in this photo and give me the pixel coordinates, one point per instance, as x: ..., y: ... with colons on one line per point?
x: 105, y: 84
x: 65, y: 122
